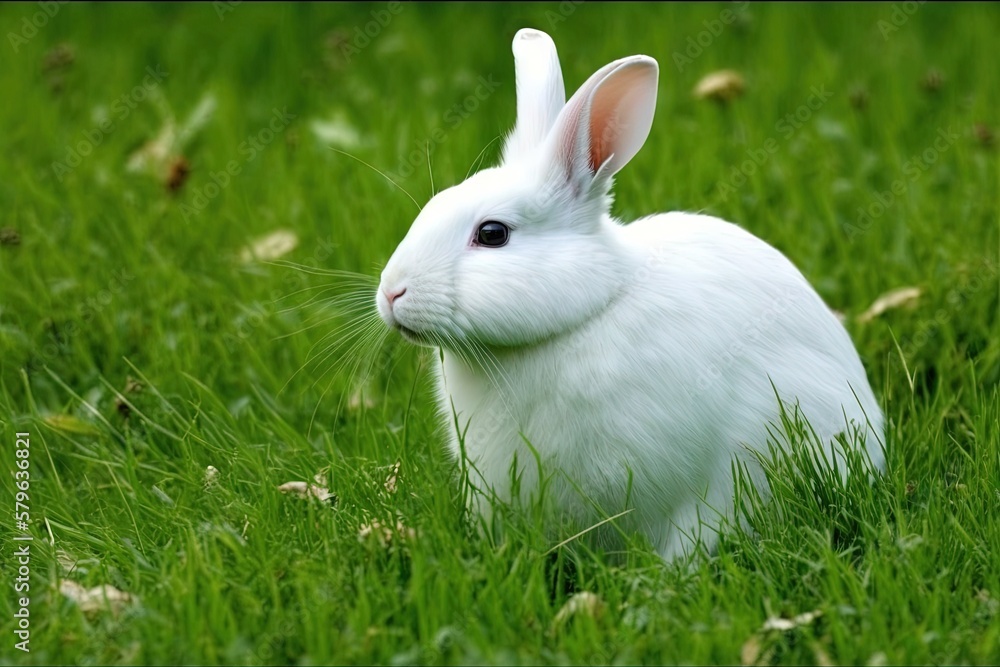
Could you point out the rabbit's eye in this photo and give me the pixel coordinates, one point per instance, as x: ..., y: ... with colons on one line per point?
x: 492, y: 234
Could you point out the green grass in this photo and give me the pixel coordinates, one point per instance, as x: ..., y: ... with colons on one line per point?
x: 114, y: 279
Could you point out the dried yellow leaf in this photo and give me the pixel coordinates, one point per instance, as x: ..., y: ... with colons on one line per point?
x: 584, y: 602
x: 722, y: 86
x: 902, y: 296
x: 272, y: 246
x: 99, y: 598
x: 306, y: 490
x: 70, y: 424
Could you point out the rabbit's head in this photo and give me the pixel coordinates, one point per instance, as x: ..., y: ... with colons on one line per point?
x: 525, y: 251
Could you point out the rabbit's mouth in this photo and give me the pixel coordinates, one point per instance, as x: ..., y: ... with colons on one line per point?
x: 414, y: 337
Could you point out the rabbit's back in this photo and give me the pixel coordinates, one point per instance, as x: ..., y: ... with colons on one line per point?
x: 745, y: 323
x: 646, y: 405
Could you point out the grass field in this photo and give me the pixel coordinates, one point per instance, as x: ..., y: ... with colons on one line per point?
x: 140, y: 344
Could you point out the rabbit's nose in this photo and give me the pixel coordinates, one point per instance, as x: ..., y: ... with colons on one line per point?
x: 391, y: 296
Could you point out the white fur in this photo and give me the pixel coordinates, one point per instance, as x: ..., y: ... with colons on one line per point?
x: 541, y: 94
x: 636, y: 359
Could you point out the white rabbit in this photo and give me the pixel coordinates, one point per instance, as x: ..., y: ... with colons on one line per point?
x: 637, y: 360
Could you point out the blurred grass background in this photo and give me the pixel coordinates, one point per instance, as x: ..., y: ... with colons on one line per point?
x: 140, y: 345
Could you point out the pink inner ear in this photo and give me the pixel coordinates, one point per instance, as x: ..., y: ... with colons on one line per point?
x: 599, y: 148
x: 566, y: 147
x: 607, y: 126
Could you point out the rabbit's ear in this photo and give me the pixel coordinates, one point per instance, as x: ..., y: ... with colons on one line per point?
x: 540, y: 92
x: 606, y: 122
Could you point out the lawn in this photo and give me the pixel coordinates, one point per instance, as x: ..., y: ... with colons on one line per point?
x: 182, y: 188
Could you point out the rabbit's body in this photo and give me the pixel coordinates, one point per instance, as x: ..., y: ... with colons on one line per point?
x: 637, y: 359
x: 605, y: 408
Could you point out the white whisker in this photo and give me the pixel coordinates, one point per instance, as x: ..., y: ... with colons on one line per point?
x: 476, y: 162
x: 380, y: 173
